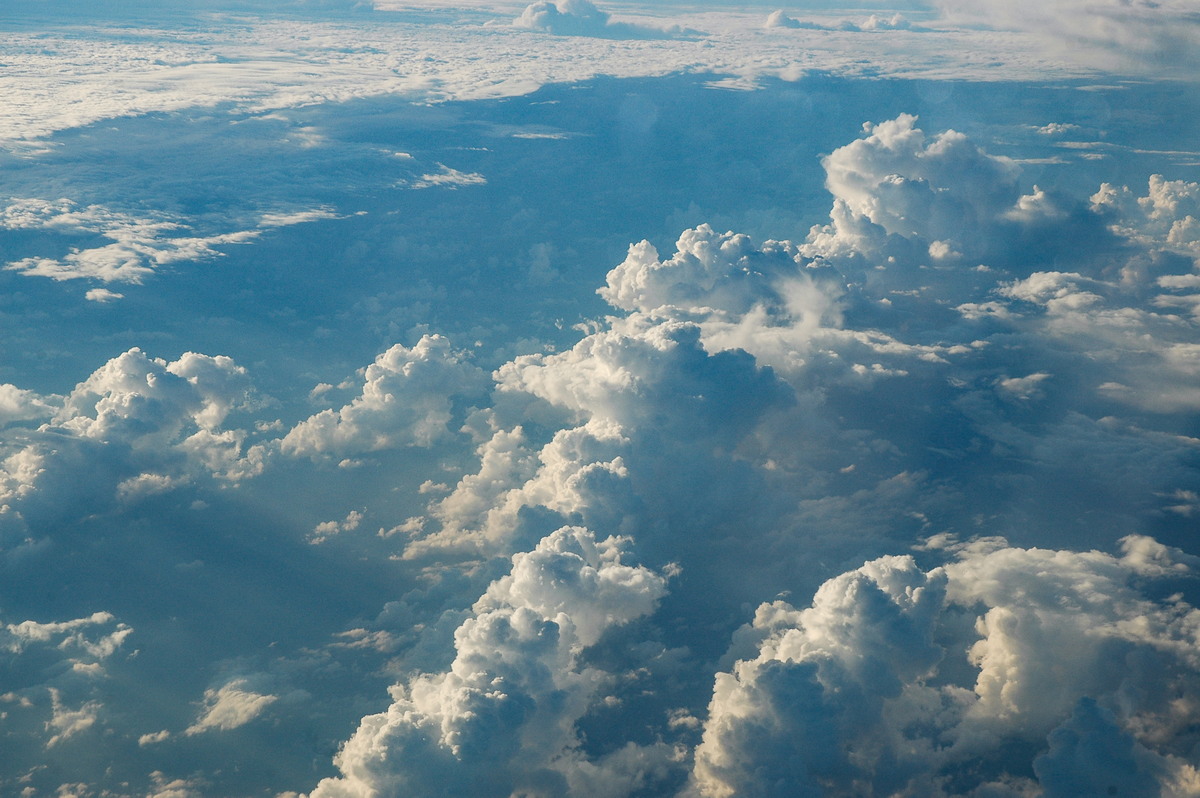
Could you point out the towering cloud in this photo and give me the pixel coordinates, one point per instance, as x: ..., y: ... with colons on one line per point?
x: 1002, y: 671
x: 502, y: 718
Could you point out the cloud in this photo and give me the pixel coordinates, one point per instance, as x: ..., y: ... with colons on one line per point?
x: 136, y: 427
x: 778, y: 19
x: 1147, y: 36
x: 230, y: 706
x: 66, y: 662
x: 502, y: 717
x: 1164, y: 219
x: 328, y: 529
x: 581, y: 18
x: 66, y: 723
x: 446, y: 177
x: 406, y: 400
x: 932, y: 189
x: 17, y: 404
x: 140, y: 245
x: 897, y: 679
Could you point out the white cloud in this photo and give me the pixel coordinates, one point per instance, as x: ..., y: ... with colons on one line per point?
x: 328, y: 529
x: 230, y: 706
x: 581, y: 18
x: 1166, y: 218
x: 908, y: 185
x: 66, y: 636
x: 137, y: 427
x: 56, y: 80
x: 502, y: 717
x: 140, y: 245
x: 1154, y: 37
x: 446, y: 177
x: 17, y: 404
x: 102, y: 295
x: 66, y: 723
x: 564, y: 18
x: 901, y: 680
x: 406, y: 400
x: 778, y: 19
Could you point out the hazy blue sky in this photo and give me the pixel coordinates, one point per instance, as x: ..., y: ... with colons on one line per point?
x: 490, y: 399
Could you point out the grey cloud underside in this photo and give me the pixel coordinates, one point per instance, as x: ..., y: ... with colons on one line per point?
x: 628, y: 438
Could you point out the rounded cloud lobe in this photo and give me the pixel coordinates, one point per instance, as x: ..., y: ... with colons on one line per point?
x: 868, y: 690
x: 405, y: 401
x: 502, y: 717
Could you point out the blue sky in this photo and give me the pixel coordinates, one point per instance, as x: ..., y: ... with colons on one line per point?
x: 634, y: 400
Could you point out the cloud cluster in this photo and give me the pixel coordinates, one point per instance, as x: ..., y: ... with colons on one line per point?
x: 874, y: 22
x: 139, y: 245
x: 136, y: 427
x: 51, y: 674
x: 966, y: 679
x: 716, y: 404
x: 502, y: 718
x: 930, y: 364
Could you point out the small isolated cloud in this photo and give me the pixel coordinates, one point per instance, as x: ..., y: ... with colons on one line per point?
x: 1022, y: 388
x: 328, y: 529
x: 66, y: 722
x: 449, y: 178
x: 1057, y: 128
x: 230, y: 706
x: 153, y: 738
x: 102, y: 295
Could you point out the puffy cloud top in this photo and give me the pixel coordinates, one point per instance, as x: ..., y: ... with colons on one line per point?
x: 406, y: 401
x: 911, y: 681
x: 502, y: 718
x: 917, y: 187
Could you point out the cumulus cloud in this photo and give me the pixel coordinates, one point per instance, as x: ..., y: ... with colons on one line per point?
x: 874, y: 22
x: 406, y: 400
x: 897, y: 679
x: 770, y: 300
x: 623, y: 398
x: 137, y: 427
x: 580, y: 18
x: 912, y: 186
x: 503, y: 717
x: 17, y: 404
x: 778, y: 19
x: 1164, y: 219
